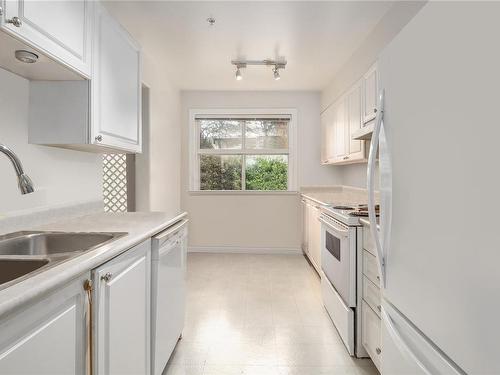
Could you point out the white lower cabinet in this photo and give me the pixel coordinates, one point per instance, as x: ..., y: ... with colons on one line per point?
x: 371, y: 301
x: 314, y: 245
x: 122, y: 293
x: 371, y: 334
x: 49, y: 336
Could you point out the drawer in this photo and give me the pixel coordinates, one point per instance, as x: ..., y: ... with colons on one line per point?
x: 368, y: 241
x: 370, y: 268
x: 371, y: 295
x: 371, y: 333
x: 341, y: 314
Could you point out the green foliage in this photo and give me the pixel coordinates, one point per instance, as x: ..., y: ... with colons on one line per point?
x: 224, y: 173
x: 218, y: 173
x: 267, y: 174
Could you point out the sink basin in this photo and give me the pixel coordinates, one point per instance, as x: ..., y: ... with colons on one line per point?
x: 23, y: 254
x: 50, y: 243
x: 11, y: 269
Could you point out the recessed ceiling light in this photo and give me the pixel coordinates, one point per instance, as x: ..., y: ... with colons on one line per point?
x: 26, y: 56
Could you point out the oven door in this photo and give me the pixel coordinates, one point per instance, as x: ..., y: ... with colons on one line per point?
x: 338, y: 257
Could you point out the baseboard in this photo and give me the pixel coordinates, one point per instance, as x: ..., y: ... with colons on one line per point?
x: 245, y: 250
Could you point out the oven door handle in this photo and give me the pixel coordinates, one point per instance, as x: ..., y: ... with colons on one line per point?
x: 339, y: 231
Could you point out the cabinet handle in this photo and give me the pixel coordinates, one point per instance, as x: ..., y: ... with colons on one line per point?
x: 378, y: 278
x: 16, y: 21
x: 346, y: 157
x: 378, y: 350
x: 374, y: 110
x: 379, y: 308
x: 98, y: 138
x: 87, y: 286
x: 107, y: 277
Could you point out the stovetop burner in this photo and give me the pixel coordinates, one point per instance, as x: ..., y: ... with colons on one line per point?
x: 344, y: 208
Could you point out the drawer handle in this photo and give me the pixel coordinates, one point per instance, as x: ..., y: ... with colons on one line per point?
x: 107, y: 277
x: 378, y: 350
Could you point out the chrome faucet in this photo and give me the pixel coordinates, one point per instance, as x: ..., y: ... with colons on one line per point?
x: 24, y: 182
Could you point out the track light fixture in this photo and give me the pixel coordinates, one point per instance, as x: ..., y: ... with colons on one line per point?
x: 241, y: 64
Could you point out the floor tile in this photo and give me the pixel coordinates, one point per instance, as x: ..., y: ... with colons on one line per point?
x: 258, y: 315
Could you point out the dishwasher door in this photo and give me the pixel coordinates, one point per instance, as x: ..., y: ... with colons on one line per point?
x: 168, y: 294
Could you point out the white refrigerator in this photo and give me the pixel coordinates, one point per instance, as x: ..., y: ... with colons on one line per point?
x: 439, y: 161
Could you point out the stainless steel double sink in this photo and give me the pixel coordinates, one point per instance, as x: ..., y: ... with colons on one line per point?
x: 23, y: 254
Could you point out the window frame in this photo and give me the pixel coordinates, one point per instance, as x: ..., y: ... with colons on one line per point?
x: 251, y: 113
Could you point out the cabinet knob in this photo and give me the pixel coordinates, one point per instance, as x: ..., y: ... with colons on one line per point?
x: 374, y: 110
x: 346, y: 157
x: 378, y: 350
x: 107, y: 277
x: 16, y: 21
x: 98, y: 138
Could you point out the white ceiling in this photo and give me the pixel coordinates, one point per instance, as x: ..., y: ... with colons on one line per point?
x: 316, y: 38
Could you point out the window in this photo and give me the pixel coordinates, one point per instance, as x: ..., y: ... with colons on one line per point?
x: 242, y: 151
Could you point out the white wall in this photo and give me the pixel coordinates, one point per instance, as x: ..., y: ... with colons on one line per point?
x: 158, y: 168
x: 390, y: 25
x: 255, y: 221
x: 60, y: 176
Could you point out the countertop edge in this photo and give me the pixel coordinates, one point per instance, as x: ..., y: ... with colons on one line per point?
x: 74, y: 268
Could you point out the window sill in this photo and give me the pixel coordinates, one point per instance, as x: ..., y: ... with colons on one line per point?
x: 242, y: 192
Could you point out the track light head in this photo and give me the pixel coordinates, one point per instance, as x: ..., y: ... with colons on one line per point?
x: 276, y: 73
x: 238, y: 75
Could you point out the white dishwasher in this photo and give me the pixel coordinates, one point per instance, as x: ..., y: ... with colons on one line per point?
x: 168, y: 292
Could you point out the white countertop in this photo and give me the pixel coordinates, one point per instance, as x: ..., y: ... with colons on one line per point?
x: 335, y: 194
x: 139, y: 226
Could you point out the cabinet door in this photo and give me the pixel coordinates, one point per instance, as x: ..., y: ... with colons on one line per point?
x: 370, y: 90
x: 48, y: 336
x: 305, y: 226
x: 122, y: 313
x: 60, y: 29
x: 354, y: 122
x: 327, y: 134
x: 116, y: 86
x: 314, y: 252
x: 340, y: 137
x: 371, y: 333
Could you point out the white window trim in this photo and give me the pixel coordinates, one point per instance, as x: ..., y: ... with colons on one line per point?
x: 194, y: 168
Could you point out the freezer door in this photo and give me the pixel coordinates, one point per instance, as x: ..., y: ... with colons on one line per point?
x: 405, y: 351
x: 441, y: 78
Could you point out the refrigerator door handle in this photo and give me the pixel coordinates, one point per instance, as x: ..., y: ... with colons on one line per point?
x: 372, y: 158
x: 399, y: 341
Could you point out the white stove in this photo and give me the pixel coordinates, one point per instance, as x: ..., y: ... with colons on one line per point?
x: 348, y: 214
x: 341, y: 241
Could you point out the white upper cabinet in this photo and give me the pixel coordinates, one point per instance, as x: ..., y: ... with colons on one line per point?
x: 356, y: 148
x: 339, y: 135
x: 339, y: 121
x: 102, y: 114
x: 327, y: 133
x: 115, y: 86
x: 61, y: 30
x: 370, y: 90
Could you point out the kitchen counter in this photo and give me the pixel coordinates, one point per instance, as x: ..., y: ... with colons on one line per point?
x: 335, y: 194
x: 139, y: 227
